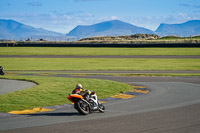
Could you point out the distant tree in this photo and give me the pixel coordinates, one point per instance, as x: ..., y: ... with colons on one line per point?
x: 28, y: 40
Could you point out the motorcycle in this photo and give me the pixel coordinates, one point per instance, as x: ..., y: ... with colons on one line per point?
x: 1, y: 70
x: 86, y: 104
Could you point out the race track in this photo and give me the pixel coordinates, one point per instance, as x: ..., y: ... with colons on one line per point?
x: 173, y: 105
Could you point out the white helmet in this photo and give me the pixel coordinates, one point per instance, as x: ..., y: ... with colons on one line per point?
x: 79, y: 86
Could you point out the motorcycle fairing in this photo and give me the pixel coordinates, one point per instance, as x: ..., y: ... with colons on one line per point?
x: 74, y: 96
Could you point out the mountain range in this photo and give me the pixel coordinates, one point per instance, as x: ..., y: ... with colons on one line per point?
x: 108, y: 28
x: 10, y: 29
x: 189, y: 28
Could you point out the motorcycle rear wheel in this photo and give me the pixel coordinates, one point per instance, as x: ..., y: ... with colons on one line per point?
x: 82, y: 107
x: 2, y: 73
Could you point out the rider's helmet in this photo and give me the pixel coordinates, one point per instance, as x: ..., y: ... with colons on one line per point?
x: 79, y: 86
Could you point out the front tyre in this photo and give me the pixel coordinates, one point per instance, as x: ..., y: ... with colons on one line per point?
x: 82, y: 107
x: 101, y: 108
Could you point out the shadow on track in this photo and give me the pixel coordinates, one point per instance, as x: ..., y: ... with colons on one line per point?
x: 55, y: 114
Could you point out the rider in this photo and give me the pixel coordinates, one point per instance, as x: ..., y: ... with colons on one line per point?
x: 79, y: 90
x: 1, y: 70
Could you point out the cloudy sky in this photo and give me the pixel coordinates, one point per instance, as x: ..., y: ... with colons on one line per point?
x: 64, y: 15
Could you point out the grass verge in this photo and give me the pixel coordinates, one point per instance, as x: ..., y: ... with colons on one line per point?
x: 96, y: 51
x: 52, y: 91
x: 156, y: 74
x: 98, y: 64
x: 107, y: 74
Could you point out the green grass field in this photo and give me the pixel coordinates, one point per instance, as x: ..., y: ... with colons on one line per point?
x: 98, y: 64
x: 97, y: 51
x: 54, y: 90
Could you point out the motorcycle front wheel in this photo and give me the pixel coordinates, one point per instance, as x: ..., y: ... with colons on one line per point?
x: 101, y: 108
x: 82, y: 107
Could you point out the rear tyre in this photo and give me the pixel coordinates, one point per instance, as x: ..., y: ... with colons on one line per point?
x: 2, y: 73
x: 82, y: 107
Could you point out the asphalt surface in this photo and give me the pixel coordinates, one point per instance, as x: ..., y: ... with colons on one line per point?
x: 7, y: 86
x: 172, y: 106
x: 179, y: 120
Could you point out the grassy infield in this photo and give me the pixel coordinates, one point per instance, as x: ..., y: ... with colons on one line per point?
x: 97, y: 51
x: 53, y: 91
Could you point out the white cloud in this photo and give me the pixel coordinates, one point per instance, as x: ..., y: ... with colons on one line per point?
x: 56, y: 21
x: 114, y: 17
x: 107, y: 18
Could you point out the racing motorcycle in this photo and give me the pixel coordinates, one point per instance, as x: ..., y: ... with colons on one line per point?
x: 86, y: 104
x: 1, y: 70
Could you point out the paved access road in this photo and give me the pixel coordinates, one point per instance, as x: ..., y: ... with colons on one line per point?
x: 173, y: 105
x: 7, y: 86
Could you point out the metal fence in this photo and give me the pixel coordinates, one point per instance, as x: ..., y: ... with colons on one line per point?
x: 42, y: 38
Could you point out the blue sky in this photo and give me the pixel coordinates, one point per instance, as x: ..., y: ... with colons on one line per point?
x: 64, y: 15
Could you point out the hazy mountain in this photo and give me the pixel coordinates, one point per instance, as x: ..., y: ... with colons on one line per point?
x: 108, y: 28
x: 10, y: 29
x: 189, y: 28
